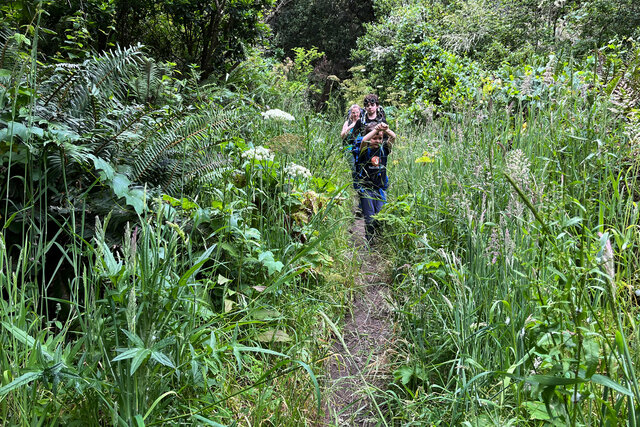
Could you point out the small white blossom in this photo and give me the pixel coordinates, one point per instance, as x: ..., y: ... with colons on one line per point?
x: 576, y: 397
x: 276, y: 114
x: 258, y: 153
x: 380, y: 52
x: 537, y: 362
x: 297, y: 171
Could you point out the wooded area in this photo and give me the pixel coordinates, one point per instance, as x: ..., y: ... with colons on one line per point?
x: 177, y: 205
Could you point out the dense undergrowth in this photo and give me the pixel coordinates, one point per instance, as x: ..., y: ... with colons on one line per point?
x: 517, y: 227
x: 170, y: 248
x: 159, y: 264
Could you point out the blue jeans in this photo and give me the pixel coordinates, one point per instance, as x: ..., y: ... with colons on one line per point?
x: 371, y: 202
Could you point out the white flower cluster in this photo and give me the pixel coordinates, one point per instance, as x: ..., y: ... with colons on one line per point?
x: 258, y: 153
x: 380, y: 52
x: 297, y: 171
x: 276, y: 114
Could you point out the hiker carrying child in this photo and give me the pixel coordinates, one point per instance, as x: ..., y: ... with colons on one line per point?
x: 372, y: 176
x: 354, y: 127
x: 372, y: 113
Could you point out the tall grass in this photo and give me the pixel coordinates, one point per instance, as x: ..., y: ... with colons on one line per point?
x: 519, y: 305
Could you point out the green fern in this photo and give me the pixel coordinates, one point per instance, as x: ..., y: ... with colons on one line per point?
x: 9, y: 49
x: 184, y: 148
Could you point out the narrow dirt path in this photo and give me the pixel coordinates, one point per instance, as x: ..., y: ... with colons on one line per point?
x: 358, y: 365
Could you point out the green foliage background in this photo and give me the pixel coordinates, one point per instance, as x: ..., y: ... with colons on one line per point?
x: 175, y: 212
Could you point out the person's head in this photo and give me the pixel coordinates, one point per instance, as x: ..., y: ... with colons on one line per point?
x: 354, y: 111
x: 371, y: 104
x: 376, y: 139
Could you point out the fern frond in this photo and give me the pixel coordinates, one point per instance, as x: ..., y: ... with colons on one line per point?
x: 624, y: 92
x: 107, y: 75
x: 9, y: 52
x: 187, y: 149
x: 128, y: 119
x: 64, y: 82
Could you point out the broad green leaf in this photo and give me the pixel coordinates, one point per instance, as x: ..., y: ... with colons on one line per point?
x: 162, y: 359
x: 141, y: 355
x: 230, y: 249
x: 65, y: 135
x: 592, y: 355
x: 106, y: 171
x: 20, y: 335
x: 21, y: 39
x: 20, y: 381
x: 171, y: 200
x: 126, y: 354
x: 120, y: 184
x: 266, y: 258
x: 136, y: 198
x: 184, y: 203
x: 163, y: 343
x: 537, y: 410
x: 26, y: 339
x: 274, y: 335
x: 608, y: 382
x: 404, y: 374
x: 549, y: 380
x: 135, y: 339
x: 252, y: 233
x: 139, y: 420
x: 223, y: 280
x: 13, y: 128
x: 113, y: 267
x: 266, y: 314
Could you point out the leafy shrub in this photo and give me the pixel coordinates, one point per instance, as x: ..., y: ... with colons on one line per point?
x: 428, y: 73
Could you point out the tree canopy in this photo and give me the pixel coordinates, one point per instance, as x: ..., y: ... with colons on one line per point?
x: 209, y: 33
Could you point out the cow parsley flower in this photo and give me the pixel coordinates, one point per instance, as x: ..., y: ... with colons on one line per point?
x: 258, y: 153
x: 296, y: 171
x: 276, y: 114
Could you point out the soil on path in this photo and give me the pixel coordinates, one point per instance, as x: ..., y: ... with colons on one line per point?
x: 359, y: 368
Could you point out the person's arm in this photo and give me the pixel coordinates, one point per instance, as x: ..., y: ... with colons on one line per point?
x: 392, y: 137
x: 367, y: 137
x: 345, y: 128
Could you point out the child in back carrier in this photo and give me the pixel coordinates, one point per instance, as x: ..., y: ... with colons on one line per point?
x: 372, y: 170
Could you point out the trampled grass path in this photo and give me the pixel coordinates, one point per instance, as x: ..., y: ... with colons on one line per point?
x: 359, y: 364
